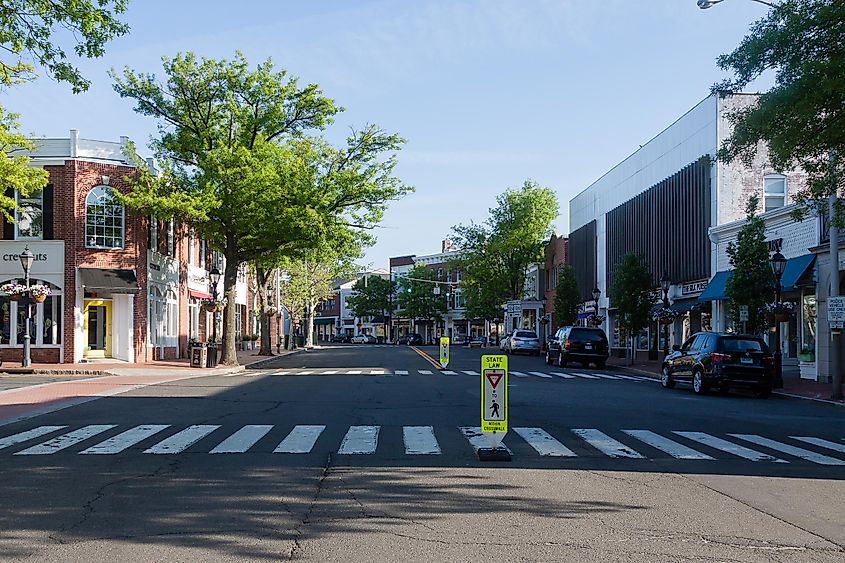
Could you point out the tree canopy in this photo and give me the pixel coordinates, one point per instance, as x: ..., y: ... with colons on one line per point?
x: 567, y: 297
x: 416, y: 297
x: 800, y: 119
x: 373, y: 296
x: 496, y: 254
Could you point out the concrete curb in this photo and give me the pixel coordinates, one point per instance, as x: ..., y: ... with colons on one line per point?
x: 258, y: 363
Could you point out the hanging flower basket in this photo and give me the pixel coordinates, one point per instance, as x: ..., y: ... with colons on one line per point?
x: 595, y: 320
x: 14, y: 290
x: 664, y: 315
x: 271, y: 311
x: 213, y: 306
x: 779, y: 312
x: 39, y: 292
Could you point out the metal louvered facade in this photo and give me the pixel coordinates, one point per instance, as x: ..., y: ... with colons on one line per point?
x: 582, y: 258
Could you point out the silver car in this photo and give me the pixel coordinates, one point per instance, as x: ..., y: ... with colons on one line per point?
x: 523, y: 341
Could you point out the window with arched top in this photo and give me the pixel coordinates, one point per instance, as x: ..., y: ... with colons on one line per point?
x: 103, y: 219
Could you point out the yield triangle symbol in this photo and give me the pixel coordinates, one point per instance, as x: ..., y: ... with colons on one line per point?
x: 494, y: 378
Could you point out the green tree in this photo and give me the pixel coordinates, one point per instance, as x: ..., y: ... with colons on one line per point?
x: 567, y: 297
x: 30, y: 34
x: 631, y: 293
x: 238, y: 168
x: 800, y: 118
x: 373, y: 297
x: 416, y: 298
x: 752, y: 281
x: 496, y: 254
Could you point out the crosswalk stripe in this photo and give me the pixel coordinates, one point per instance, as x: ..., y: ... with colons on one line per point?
x: 540, y: 374
x: 420, y: 440
x: 243, y: 439
x: 401, y: 372
x: 672, y: 448
x: 378, y: 372
x: 791, y: 450
x: 477, y: 439
x: 470, y: 372
x: 449, y: 373
x: 821, y: 443
x: 300, y: 440
x: 28, y: 435
x: 424, y: 372
x: 125, y: 440
x: 563, y: 375
x: 604, y: 376
x: 518, y: 374
x: 303, y: 373
x: 584, y: 375
x: 356, y: 372
x: 620, y: 376
x: 332, y: 372
x: 183, y: 440
x: 360, y: 440
x: 66, y: 440
x: 729, y: 447
x: 544, y: 443
x: 605, y: 443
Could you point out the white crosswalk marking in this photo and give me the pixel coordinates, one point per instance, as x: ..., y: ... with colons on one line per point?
x: 243, y: 439
x: 540, y: 374
x: 821, y: 443
x: 584, y: 375
x: 620, y: 376
x: 605, y: 443
x: 672, y: 448
x: 470, y: 372
x: 518, y: 374
x: 604, y: 376
x: 544, y: 443
x: 66, y: 440
x: 563, y: 375
x: 28, y: 435
x: 477, y: 439
x: 360, y: 440
x: 303, y: 373
x: 401, y: 372
x: 378, y: 372
x: 424, y: 372
x: 300, y: 440
x: 729, y: 447
x: 183, y: 440
x: 356, y: 372
x: 449, y: 373
x: 420, y: 440
x: 791, y: 450
x: 331, y: 372
x: 125, y: 440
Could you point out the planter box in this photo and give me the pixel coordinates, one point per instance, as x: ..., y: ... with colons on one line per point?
x: 807, y: 370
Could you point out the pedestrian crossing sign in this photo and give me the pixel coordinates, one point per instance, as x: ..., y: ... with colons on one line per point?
x: 494, y: 395
x: 444, y: 351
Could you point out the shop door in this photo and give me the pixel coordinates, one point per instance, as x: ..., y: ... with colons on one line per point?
x: 97, y: 329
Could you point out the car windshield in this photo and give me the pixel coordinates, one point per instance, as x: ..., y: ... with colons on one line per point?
x: 525, y: 334
x: 586, y: 335
x: 732, y: 344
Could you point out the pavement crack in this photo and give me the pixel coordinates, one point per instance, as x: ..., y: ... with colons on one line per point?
x: 298, y: 532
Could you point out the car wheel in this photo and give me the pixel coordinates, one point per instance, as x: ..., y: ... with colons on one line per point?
x: 763, y: 392
x: 560, y: 361
x: 666, y: 378
x: 698, y: 382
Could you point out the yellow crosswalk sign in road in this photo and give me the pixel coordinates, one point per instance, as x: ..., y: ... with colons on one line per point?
x: 494, y: 395
x: 444, y: 351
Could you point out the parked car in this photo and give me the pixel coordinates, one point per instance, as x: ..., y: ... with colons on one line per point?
x: 585, y: 345
x: 525, y: 341
x: 461, y: 340
x: 411, y: 339
x: 342, y: 338
x: 477, y: 342
x: 720, y: 360
x: 364, y: 339
x: 503, y: 343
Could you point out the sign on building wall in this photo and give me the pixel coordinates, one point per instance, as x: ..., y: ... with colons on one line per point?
x: 48, y: 265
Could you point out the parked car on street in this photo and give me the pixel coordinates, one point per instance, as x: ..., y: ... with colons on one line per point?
x: 524, y: 341
x: 722, y: 361
x: 462, y: 340
x: 410, y: 339
x: 342, y: 338
x: 477, y: 342
x: 585, y: 345
x: 364, y: 339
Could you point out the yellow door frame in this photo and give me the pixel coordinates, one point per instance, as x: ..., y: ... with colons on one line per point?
x: 107, y: 304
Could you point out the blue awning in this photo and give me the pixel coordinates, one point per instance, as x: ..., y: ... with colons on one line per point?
x: 715, y: 290
x: 795, y: 268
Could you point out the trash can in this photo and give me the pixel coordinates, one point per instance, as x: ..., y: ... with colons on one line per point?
x: 287, y: 341
x: 211, y: 356
x: 300, y: 341
x: 198, y: 355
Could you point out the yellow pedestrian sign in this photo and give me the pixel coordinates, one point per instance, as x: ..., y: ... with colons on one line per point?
x: 444, y: 351
x: 494, y: 395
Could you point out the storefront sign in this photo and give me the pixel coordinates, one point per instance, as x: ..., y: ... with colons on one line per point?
x: 49, y: 262
x: 693, y: 288
x: 198, y: 279
x: 775, y: 245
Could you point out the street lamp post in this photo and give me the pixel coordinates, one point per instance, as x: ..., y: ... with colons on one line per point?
x: 214, y: 276
x: 596, y: 294
x: 26, y: 258
x: 778, y: 263
x: 665, y: 282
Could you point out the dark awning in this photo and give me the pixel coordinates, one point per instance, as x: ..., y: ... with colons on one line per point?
x: 795, y: 268
x: 686, y: 306
x: 715, y: 290
x: 324, y: 321
x: 112, y: 280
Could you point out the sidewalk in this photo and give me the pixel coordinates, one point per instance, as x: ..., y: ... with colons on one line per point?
x: 793, y: 386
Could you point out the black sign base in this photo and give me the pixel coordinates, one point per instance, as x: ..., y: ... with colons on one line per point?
x: 493, y: 454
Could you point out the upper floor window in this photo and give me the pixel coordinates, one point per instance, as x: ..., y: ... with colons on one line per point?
x: 202, y: 253
x: 103, y: 219
x: 29, y: 216
x: 774, y: 191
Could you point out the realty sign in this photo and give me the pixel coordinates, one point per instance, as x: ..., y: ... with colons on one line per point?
x: 494, y: 397
x: 444, y: 351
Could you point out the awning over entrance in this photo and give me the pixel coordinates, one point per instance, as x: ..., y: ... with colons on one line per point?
x: 715, y: 290
x: 795, y: 268
x: 198, y: 294
x: 686, y: 306
x: 113, y: 280
x: 327, y: 321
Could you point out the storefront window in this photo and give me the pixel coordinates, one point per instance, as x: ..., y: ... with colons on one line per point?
x: 642, y: 340
x: 808, y: 318
x: 193, y: 319
x: 5, y: 320
x: 51, y: 324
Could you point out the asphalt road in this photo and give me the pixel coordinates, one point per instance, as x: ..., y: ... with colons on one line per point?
x: 364, y: 453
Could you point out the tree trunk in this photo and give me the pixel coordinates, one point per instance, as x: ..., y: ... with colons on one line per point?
x: 262, y: 278
x: 229, y: 355
x: 309, y: 326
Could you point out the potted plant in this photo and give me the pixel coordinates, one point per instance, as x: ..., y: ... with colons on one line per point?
x: 214, y: 305
x: 595, y: 320
x: 779, y: 311
x: 13, y: 289
x: 39, y: 292
x: 807, y: 355
x: 664, y: 315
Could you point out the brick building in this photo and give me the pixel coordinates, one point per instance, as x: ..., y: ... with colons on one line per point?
x: 555, y: 254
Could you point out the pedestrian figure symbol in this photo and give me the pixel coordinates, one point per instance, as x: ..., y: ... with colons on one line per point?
x: 495, y: 408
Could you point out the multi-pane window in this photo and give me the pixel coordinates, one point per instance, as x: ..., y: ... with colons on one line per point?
x: 774, y: 191
x: 103, y: 219
x: 29, y: 217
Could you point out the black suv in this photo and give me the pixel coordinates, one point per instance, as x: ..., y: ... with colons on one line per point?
x: 411, y: 339
x: 720, y: 360
x: 578, y: 344
x: 342, y: 338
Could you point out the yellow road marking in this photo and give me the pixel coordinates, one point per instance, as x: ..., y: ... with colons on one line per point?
x: 427, y: 358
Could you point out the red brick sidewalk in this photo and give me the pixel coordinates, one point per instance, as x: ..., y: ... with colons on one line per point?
x: 792, y: 386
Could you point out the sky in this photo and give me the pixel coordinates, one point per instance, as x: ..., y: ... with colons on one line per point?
x: 488, y: 93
